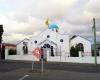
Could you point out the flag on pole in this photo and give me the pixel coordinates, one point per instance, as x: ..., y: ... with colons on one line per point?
x: 47, y: 22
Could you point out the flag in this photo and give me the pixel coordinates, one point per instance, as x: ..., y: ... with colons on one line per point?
x: 47, y: 22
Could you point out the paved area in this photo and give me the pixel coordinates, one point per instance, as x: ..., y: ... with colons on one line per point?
x: 12, y: 70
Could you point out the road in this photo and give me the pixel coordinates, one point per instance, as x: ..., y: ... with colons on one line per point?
x: 16, y: 70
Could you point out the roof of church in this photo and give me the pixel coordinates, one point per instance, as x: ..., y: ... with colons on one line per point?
x: 73, y: 37
x: 22, y: 41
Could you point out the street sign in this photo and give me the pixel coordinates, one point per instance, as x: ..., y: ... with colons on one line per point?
x: 37, y: 52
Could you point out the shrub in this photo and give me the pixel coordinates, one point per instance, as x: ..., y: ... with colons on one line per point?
x: 97, y: 53
x: 12, y: 52
x: 74, y: 52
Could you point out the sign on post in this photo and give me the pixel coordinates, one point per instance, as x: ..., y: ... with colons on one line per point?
x: 37, y: 53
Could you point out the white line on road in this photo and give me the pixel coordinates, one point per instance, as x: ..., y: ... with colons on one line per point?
x: 22, y: 78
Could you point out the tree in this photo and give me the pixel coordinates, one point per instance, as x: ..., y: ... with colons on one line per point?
x: 12, y: 52
x: 74, y: 51
x: 1, y: 32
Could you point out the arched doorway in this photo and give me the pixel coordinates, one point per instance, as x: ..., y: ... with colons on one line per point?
x: 48, y: 48
x: 80, y: 47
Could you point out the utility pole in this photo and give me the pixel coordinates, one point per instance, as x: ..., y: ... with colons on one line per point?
x: 94, y: 32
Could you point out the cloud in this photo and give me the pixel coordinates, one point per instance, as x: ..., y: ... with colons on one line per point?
x: 72, y: 16
x: 84, y: 13
x: 52, y: 9
x: 66, y: 27
x: 7, y: 1
x: 93, y: 6
x: 30, y: 17
x: 15, y: 30
x: 15, y: 37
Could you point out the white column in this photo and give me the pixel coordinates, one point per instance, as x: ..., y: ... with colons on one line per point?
x: 6, y: 53
x: 48, y: 55
x: 21, y: 52
x: 80, y: 54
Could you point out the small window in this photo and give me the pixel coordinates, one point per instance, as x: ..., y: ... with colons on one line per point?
x: 48, y: 36
x: 35, y: 41
x: 61, y: 40
x: 25, y: 43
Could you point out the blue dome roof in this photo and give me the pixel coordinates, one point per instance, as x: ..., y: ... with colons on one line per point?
x: 53, y: 26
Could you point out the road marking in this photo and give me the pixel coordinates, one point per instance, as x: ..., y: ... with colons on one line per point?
x: 22, y: 78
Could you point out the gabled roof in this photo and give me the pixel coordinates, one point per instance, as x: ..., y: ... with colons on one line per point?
x: 8, y: 44
x: 49, y: 31
x: 46, y: 31
x: 22, y: 41
x: 75, y: 36
x: 47, y: 40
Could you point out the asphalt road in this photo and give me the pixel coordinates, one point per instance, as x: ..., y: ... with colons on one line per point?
x: 13, y: 70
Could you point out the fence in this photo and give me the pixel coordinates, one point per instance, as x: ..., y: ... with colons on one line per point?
x: 83, y: 58
x: 60, y: 58
x: 20, y: 56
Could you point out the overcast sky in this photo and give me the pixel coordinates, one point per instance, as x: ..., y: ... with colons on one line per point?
x: 26, y: 18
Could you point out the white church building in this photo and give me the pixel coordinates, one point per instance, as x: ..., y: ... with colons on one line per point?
x: 55, y: 46
x: 53, y: 43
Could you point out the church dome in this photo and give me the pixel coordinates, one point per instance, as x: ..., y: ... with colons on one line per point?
x: 53, y: 26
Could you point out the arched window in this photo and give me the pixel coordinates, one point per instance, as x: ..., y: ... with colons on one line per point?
x: 80, y: 47
x: 25, y: 48
x: 25, y: 43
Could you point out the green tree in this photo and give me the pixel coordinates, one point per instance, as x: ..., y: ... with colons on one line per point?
x: 74, y: 52
x: 1, y: 32
x: 12, y: 52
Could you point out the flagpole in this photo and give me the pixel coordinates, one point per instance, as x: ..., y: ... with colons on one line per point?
x: 94, y: 31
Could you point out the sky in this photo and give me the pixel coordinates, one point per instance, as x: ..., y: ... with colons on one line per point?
x: 26, y: 18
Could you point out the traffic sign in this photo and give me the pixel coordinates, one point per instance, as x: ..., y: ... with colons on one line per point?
x: 37, y: 52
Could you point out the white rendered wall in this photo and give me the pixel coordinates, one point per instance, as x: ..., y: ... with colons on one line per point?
x: 20, y: 47
x: 88, y: 59
x: 85, y: 59
x: 55, y: 37
x: 20, y: 57
x: 86, y: 43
